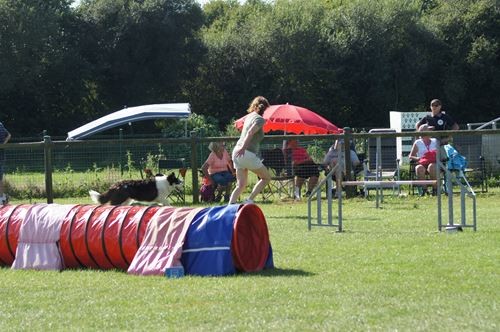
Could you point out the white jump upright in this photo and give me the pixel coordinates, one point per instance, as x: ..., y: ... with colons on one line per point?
x: 316, y: 193
x: 466, y: 190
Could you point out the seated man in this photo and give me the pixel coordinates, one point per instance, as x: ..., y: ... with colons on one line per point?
x: 438, y: 120
x: 331, y: 156
x: 218, y: 168
x: 423, y: 152
x: 303, y: 167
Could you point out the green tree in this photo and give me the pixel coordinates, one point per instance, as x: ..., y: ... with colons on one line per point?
x: 350, y: 61
x: 470, y: 73
x: 143, y: 51
x: 206, y: 126
x: 42, y: 73
x: 235, y: 67
x: 378, y: 55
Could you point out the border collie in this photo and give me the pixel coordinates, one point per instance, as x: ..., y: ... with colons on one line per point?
x: 154, y: 189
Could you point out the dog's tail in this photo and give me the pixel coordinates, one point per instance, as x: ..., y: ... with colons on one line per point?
x: 95, y: 196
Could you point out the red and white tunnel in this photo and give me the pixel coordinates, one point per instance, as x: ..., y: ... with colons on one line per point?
x: 144, y: 240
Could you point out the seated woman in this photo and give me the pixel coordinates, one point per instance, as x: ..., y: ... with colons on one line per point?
x: 303, y: 167
x: 218, y: 168
x: 423, y: 152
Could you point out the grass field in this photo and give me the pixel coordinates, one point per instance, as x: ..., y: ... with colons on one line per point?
x: 389, y: 270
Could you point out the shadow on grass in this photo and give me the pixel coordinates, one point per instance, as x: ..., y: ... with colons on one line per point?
x: 277, y: 272
x: 292, y: 217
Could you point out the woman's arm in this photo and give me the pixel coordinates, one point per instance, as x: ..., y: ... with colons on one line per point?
x: 204, y: 169
x: 413, y: 152
x: 251, y: 131
x: 229, y: 162
x: 421, y: 122
x: 231, y: 166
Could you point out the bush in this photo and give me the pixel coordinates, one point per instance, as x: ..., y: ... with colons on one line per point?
x: 493, y: 181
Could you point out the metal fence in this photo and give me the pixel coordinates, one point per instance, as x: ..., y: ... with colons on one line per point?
x: 53, y: 169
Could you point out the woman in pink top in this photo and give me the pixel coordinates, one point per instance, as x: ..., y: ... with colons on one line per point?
x: 218, y: 168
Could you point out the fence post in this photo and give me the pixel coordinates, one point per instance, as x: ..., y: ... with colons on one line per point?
x: 48, y: 168
x: 349, y: 190
x: 120, y: 148
x: 194, y: 166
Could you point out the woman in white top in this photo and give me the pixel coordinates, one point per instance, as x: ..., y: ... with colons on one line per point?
x: 423, y: 152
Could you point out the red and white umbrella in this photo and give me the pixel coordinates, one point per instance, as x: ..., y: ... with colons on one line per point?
x: 293, y: 119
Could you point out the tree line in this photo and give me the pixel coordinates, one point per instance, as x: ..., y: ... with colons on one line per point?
x: 350, y: 61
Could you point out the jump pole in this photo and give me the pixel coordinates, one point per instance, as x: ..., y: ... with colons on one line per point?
x: 391, y: 184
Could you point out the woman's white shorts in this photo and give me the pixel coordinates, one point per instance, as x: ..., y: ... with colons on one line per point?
x: 248, y: 160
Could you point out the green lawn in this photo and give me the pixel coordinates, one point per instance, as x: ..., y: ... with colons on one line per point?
x: 390, y: 270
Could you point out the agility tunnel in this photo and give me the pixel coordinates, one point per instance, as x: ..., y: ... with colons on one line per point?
x: 144, y: 240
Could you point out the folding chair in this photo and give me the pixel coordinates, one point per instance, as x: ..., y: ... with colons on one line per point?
x: 456, y: 165
x: 213, y: 194
x: 281, y: 174
x: 382, y: 162
x: 172, y: 165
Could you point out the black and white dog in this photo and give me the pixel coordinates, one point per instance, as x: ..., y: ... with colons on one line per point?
x: 154, y: 189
